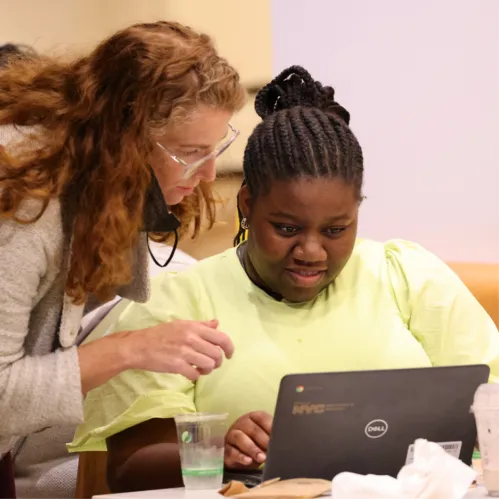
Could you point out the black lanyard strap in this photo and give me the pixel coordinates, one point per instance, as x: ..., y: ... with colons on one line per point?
x: 174, y: 248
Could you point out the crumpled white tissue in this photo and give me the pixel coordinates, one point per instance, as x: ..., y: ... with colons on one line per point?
x: 433, y: 474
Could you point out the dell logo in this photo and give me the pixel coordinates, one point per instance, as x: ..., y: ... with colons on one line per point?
x: 376, y: 428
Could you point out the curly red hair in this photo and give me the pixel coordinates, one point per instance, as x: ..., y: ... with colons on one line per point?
x: 92, y: 122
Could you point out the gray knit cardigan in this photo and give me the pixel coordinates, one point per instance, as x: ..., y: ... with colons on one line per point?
x: 40, y: 383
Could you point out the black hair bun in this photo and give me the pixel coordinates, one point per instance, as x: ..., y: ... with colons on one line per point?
x: 295, y: 87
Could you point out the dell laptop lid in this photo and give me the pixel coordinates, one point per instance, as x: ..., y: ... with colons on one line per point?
x: 366, y: 422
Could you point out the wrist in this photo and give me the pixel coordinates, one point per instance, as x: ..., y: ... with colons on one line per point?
x: 103, y: 359
x: 126, y: 354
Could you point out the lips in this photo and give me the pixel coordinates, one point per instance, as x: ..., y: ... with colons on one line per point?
x: 185, y: 190
x: 305, y: 277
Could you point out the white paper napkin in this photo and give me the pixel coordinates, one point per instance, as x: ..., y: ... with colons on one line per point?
x: 433, y: 474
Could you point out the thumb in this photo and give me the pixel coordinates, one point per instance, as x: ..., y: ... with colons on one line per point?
x: 213, y: 323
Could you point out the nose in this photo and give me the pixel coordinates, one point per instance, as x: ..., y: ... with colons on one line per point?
x: 207, y: 171
x: 310, y: 249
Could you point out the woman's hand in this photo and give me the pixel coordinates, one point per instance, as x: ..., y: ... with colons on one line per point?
x: 189, y: 348
x: 247, y: 441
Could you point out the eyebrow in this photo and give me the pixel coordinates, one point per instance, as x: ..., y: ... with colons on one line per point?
x: 284, y: 215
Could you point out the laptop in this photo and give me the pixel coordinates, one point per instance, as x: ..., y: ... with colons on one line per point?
x: 367, y: 421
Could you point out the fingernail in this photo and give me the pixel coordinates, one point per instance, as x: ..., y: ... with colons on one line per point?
x: 247, y: 460
x: 261, y: 457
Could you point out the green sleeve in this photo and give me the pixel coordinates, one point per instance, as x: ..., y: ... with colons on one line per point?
x: 440, y: 311
x: 136, y: 396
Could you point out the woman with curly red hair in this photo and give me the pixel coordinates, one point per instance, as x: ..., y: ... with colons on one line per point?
x: 93, y: 153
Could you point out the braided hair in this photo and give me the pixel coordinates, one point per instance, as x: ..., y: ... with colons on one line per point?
x: 304, y: 133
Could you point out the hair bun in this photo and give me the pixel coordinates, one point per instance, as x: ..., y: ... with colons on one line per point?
x: 295, y: 87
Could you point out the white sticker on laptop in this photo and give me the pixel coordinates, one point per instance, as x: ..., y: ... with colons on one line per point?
x: 453, y: 448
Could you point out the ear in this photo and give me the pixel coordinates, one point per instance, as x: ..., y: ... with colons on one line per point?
x: 244, y: 201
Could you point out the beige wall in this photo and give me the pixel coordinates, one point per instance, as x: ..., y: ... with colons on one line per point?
x: 71, y: 25
x: 51, y: 24
x: 118, y: 14
x: 241, y: 29
x: 78, y: 24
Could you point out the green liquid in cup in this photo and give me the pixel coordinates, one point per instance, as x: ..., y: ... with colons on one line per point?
x: 202, y: 472
x: 201, y: 447
x: 202, y: 479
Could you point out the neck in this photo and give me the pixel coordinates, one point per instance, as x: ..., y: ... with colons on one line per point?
x: 249, y: 268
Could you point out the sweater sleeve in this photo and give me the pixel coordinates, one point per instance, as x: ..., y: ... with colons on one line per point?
x: 440, y: 311
x: 135, y: 396
x: 35, y: 391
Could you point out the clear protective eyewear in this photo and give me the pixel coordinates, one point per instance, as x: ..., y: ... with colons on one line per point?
x: 191, y: 167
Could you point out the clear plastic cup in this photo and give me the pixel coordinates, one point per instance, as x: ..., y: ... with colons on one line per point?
x: 485, y: 409
x: 201, y: 445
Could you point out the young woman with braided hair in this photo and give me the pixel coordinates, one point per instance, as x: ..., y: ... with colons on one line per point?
x: 301, y: 294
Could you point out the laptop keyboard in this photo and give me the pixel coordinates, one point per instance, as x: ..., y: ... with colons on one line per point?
x: 248, y: 478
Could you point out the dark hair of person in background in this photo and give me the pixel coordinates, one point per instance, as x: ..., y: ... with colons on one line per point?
x: 10, y: 51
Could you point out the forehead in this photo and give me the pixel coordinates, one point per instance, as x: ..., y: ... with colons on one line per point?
x: 310, y: 197
x: 204, y: 125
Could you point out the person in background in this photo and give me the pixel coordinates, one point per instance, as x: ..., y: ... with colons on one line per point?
x: 302, y: 294
x: 12, y: 51
x: 96, y: 155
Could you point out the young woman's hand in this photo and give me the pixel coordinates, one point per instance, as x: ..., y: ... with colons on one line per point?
x: 247, y: 441
x: 189, y: 348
